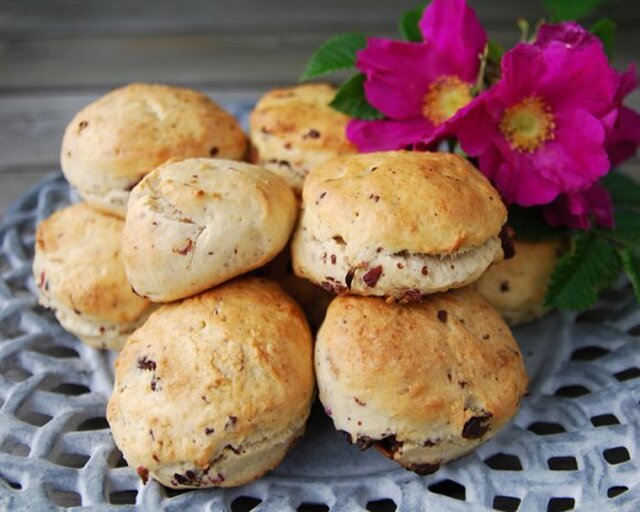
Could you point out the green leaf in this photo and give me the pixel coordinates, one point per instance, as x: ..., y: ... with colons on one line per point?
x: 624, y: 190
x: 529, y: 224
x: 627, y: 229
x: 350, y: 100
x: 335, y: 54
x: 495, y: 51
x: 563, y: 10
x: 605, y: 30
x: 631, y: 265
x: 591, y: 266
x: 408, y: 25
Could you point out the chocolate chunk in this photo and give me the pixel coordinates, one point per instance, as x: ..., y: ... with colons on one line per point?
x: 339, y: 240
x: 371, y: 277
x: 430, y: 442
x: 208, y: 431
x: 333, y: 286
x: 477, y: 426
x: 425, y: 271
x: 143, y: 473
x: 311, y: 134
x: 82, y: 125
x: 506, y: 238
x: 333, y: 259
x: 155, y: 383
x: 349, y: 277
x: 231, y: 422
x: 442, y: 315
x: 411, y: 296
x: 235, y: 450
x: 213, y: 151
x: 374, y: 197
x: 365, y: 442
x: 504, y: 286
x: 424, y: 469
x: 389, y: 445
x: 359, y: 402
x: 146, y: 364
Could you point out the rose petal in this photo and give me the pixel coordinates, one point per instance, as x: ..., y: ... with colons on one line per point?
x: 452, y: 27
x: 387, y: 135
x: 398, y: 76
x: 570, y: 33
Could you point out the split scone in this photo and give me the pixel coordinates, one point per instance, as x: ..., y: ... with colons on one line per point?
x: 294, y: 129
x: 516, y: 287
x: 398, y: 224
x: 113, y: 142
x: 79, y: 271
x: 424, y: 383
x: 212, y: 391
x: 196, y: 223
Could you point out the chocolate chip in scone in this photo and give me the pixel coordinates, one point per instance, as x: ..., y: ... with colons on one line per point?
x: 359, y: 402
x: 424, y: 271
x: 333, y: 259
x: 339, y: 240
x: 348, y: 279
x: 208, y: 431
x: 143, y: 473
x: 146, y: 364
x: 372, y: 276
x: 374, y: 197
x: 506, y: 239
x: 411, y: 296
x: 442, y: 315
x: 82, y: 125
x: 389, y: 445
x: 155, y: 383
x: 231, y: 422
x: 234, y: 449
x: 477, y: 426
x: 424, y: 469
x: 213, y: 151
x: 312, y: 134
x: 430, y: 442
x: 364, y: 442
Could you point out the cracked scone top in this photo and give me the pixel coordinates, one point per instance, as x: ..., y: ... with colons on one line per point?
x: 113, y: 142
x: 294, y: 129
x: 196, y: 223
x: 425, y: 383
x: 213, y: 390
x: 399, y: 224
x: 79, y: 271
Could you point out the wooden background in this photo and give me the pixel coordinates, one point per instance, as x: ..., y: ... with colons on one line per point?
x: 58, y: 55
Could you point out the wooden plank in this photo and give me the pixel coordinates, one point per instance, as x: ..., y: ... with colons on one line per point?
x: 226, y: 60
x: 18, y: 18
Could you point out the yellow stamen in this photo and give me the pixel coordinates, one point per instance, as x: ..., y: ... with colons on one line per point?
x: 444, y: 98
x: 528, y: 124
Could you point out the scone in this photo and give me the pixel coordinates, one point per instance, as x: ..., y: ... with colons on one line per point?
x: 312, y: 299
x: 294, y: 129
x: 79, y: 271
x: 113, y: 142
x: 424, y: 383
x: 516, y: 287
x: 212, y: 391
x: 196, y: 223
x: 398, y: 224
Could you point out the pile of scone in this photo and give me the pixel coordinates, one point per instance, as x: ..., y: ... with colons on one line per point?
x: 183, y: 257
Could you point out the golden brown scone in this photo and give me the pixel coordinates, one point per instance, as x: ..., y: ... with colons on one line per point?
x: 399, y: 224
x: 312, y: 299
x: 516, y: 287
x: 213, y: 390
x: 425, y: 383
x: 196, y: 223
x: 80, y: 274
x: 294, y: 129
x: 113, y: 142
